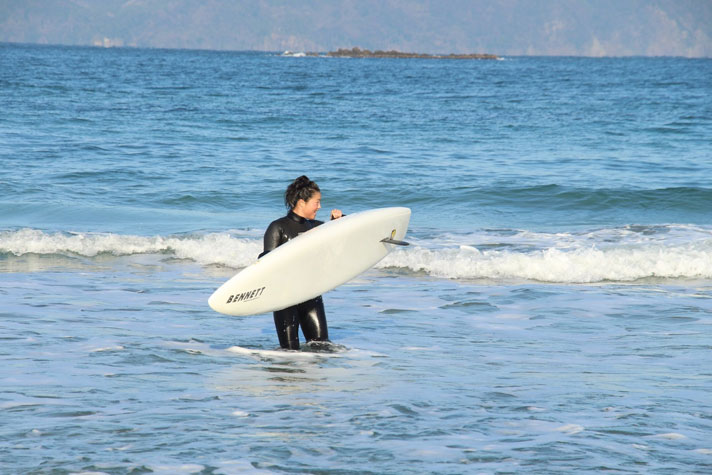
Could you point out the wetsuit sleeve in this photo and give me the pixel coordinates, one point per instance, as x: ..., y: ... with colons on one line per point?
x: 272, y: 238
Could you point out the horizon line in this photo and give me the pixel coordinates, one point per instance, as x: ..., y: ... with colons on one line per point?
x: 278, y: 52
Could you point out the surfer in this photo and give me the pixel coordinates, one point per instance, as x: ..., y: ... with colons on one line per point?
x: 303, y: 199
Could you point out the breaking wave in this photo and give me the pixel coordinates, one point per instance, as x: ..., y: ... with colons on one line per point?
x: 624, y: 254
x: 559, y: 266
x: 213, y: 248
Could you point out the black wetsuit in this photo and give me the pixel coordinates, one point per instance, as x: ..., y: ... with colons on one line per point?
x: 310, y: 315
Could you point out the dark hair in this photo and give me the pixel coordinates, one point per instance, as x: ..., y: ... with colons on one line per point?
x: 300, y: 189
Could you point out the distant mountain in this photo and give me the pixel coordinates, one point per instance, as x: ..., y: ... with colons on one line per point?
x: 504, y: 27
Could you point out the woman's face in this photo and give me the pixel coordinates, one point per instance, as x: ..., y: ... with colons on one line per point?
x: 307, y: 209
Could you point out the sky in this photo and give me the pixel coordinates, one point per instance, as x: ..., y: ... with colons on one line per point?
x: 502, y: 27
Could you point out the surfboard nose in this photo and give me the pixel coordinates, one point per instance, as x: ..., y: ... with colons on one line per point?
x: 213, y: 301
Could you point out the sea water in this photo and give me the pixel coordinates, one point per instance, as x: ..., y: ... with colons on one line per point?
x: 553, y: 313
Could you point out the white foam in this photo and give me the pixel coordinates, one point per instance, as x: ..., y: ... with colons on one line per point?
x: 281, y: 354
x: 232, y: 467
x: 617, y: 255
x: 239, y: 350
x: 177, y: 469
x: 670, y: 436
x: 608, y: 255
x: 123, y: 448
x: 513, y: 316
x: 291, y: 54
x: 570, y: 429
x: 212, y: 248
x: 107, y: 348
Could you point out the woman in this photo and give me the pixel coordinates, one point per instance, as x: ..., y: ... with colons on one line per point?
x: 303, y: 200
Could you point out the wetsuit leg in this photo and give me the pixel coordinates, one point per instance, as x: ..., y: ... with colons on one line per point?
x: 287, y: 324
x: 312, y: 318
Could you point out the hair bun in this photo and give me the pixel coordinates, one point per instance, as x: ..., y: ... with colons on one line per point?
x: 301, y: 188
x: 302, y: 181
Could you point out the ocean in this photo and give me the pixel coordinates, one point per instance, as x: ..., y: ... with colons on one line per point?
x: 553, y: 313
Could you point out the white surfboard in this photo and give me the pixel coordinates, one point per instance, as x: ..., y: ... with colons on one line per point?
x: 313, y: 263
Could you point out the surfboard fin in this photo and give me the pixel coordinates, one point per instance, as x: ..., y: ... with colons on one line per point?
x: 396, y: 242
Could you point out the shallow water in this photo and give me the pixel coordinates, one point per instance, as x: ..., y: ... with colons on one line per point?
x: 552, y: 314
x: 131, y: 374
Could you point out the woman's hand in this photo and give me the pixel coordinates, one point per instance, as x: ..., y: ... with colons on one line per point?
x: 336, y: 214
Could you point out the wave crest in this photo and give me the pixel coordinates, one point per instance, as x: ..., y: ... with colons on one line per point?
x: 624, y: 254
x: 212, y: 248
x: 559, y: 265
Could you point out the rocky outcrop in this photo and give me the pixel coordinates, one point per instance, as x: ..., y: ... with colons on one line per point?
x: 364, y: 53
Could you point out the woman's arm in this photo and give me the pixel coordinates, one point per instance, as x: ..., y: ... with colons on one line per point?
x: 272, y: 238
